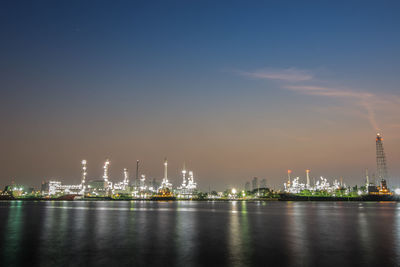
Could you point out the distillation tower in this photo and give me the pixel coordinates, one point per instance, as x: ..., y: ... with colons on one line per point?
x: 142, y: 185
x: 165, y: 184
x: 84, y: 174
x: 107, y: 184
x: 188, y: 187
x: 126, y: 179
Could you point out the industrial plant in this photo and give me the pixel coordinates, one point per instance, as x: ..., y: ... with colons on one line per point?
x: 141, y: 188
x: 374, y: 188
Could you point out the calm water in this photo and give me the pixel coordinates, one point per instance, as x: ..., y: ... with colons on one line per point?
x: 199, y: 234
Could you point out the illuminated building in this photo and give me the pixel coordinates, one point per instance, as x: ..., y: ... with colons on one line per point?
x: 164, y: 191
x: 97, y: 187
x: 165, y: 184
x: 381, y: 190
x: 191, y: 184
x: 54, y: 187
x: 296, y: 187
x: 142, y: 185
x: 107, y: 183
x: 183, y: 177
x: 101, y: 187
x: 188, y: 187
x: 126, y: 178
x: 57, y: 188
x: 153, y: 186
x: 17, y: 190
x: 122, y: 187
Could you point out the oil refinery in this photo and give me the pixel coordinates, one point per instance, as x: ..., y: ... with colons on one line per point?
x: 141, y: 188
x: 104, y: 188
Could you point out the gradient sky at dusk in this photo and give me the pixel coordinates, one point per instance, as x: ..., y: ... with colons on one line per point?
x: 235, y: 89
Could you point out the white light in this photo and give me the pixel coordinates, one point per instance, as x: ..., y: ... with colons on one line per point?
x: 397, y: 191
x: 234, y: 191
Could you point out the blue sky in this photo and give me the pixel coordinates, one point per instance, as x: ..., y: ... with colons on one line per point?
x: 236, y: 88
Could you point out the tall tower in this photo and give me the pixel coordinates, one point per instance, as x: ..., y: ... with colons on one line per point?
x: 137, y: 174
x: 184, y: 176
x: 288, y: 175
x: 142, y: 185
x: 381, y: 168
x: 107, y: 184
x: 308, y: 177
x: 105, y: 167
x: 126, y: 178
x: 84, y: 173
x: 191, y: 184
x: 166, y: 169
x: 165, y: 183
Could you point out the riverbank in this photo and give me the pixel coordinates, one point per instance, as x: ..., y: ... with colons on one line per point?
x: 372, y: 198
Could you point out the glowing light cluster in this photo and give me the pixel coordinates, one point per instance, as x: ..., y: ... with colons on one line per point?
x: 84, y: 174
x: 165, y: 184
x: 105, y: 167
x: 296, y: 187
x: 56, y: 188
x: 188, y: 186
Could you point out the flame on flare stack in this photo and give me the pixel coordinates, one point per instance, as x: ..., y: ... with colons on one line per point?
x: 288, y: 174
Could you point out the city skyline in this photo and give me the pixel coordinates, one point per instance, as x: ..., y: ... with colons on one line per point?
x: 236, y: 91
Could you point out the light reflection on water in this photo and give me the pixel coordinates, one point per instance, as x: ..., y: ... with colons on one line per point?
x: 132, y: 233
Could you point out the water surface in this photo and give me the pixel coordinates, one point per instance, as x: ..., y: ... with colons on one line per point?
x: 97, y: 233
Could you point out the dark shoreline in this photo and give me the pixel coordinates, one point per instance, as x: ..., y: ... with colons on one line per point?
x: 285, y: 198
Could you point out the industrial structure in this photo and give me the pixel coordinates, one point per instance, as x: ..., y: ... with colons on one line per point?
x: 381, y: 170
x: 188, y: 187
x: 143, y: 188
x: 381, y: 167
x: 294, y: 186
x: 165, y: 184
x: 378, y: 188
x: 104, y: 187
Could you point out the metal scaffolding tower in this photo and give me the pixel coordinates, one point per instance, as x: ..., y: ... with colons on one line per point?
x: 381, y: 168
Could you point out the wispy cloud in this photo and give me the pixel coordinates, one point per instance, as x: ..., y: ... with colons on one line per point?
x: 328, y: 91
x: 364, y: 99
x: 288, y: 75
x: 304, y: 82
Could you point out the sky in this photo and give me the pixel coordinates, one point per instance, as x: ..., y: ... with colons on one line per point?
x: 235, y: 89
